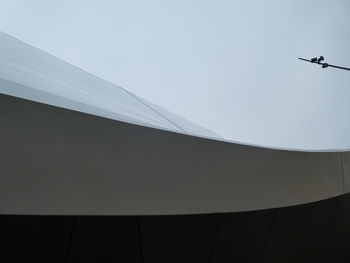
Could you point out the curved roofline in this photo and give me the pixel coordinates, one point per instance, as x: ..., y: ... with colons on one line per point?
x: 73, y: 163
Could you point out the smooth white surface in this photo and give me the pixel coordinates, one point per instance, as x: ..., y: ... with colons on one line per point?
x: 44, y: 78
x: 73, y: 163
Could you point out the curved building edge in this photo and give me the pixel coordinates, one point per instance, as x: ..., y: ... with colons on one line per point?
x: 62, y: 162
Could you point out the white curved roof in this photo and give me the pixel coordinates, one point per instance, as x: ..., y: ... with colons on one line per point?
x: 58, y: 156
x: 47, y: 79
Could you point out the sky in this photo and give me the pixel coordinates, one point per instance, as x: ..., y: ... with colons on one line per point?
x: 228, y: 65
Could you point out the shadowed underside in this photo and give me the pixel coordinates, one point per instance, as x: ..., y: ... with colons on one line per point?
x: 311, y: 233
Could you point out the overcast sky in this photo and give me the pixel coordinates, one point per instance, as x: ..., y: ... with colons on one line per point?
x: 230, y: 66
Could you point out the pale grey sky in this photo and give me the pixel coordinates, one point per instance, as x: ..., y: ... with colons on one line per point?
x: 229, y: 66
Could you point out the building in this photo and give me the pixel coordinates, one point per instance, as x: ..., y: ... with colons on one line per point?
x: 92, y: 173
